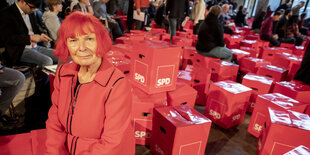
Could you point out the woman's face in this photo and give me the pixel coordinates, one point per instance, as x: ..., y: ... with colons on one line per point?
x: 83, y: 49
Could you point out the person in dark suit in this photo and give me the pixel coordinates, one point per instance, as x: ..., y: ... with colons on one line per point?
x: 20, y: 34
x: 176, y: 10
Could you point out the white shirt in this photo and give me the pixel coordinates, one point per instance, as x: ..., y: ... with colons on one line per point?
x: 28, y: 24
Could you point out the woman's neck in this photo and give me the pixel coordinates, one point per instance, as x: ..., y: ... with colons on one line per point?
x: 87, y: 73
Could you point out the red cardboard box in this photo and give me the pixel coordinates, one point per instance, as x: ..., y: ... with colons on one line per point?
x: 126, y: 49
x: 157, y: 30
x: 227, y: 103
x: 142, y: 109
x: 287, y: 45
x: 277, y: 73
x: 38, y: 138
x: 179, y: 130
x: 189, y: 52
x: 285, y: 60
x: 250, y: 64
x: 122, y: 63
x: 285, y: 130
x: 268, y: 53
x: 201, y: 95
x: 299, y: 51
x: 300, y: 150
x: 123, y: 40
x: 184, y: 94
x: 223, y: 70
x: 238, y: 54
x: 19, y: 144
x: 253, y: 52
x: 293, y: 89
x: 234, y: 41
x: 260, y: 85
x: 154, y: 67
x: 249, y: 43
x: 185, y: 77
x: 293, y: 70
x: 181, y: 41
x: 152, y: 36
x: 274, y: 100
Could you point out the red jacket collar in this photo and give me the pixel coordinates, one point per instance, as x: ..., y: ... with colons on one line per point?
x: 103, y: 75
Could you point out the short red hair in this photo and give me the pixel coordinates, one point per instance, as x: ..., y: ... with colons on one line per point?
x: 78, y: 23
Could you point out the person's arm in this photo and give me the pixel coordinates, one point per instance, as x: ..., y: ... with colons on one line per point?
x: 52, y: 24
x: 116, y: 133
x: 56, y: 136
x: 186, y: 8
x: 220, y: 36
x: 7, y: 32
x: 137, y: 5
x: 199, y: 12
x: 98, y: 11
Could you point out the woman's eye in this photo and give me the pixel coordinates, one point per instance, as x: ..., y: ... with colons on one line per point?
x: 73, y: 40
x: 90, y: 38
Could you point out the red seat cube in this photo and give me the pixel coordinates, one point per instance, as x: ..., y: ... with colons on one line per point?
x: 293, y: 89
x: 142, y: 110
x: 285, y: 60
x: 253, y: 52
x: 184, y: 94
x: 268, y: 53
x: 179, y: 130
x: 274, y: 100
x: 238, y: 54
x: 250, y: 64
x: 227, y: 102
x: 223, y: 70
x: 154, y: 67
x: 277, y: 73
x: 260, y: 85
x: 285, y: 130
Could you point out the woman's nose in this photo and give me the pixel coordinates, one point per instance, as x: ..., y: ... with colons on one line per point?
x: 82, y: 45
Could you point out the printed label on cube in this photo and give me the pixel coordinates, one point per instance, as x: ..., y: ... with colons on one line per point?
x: 216, y: 109
x: 140, y: 72
x: 164, y: 76
x: 142, y: 128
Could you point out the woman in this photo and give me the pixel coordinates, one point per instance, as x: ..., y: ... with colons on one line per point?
x: 83, y: 6
x: 240, y: 17
x: 291, y: 32
x: 198, y: 14
x: 91, y: 111
x: 50, y: 18
x: 210, y: 41
x: 257, y: 23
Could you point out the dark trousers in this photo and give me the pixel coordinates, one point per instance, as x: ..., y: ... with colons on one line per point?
x: 272, y: 41
x: 140, y: 24
x: 116, y: 30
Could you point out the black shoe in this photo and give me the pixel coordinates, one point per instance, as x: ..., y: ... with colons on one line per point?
x: 6, y: 120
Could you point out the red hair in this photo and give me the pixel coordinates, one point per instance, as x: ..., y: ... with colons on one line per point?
x: 78, y: 23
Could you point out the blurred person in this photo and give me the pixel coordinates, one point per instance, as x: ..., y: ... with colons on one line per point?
x: 176, y: 11
x: 257, y: 23
x: 266, y: 29
x: 83, y: 6
x: 141, y: 6
x: 210, y: 41
x: 11, y: 81
x: 198, y: 14
x: 22, y: 34
x: 291, y: 32
x: 296, y: 8
x: 279, y: 28
x: 240, y: 17
x: 285, y: 6
x: 100, y: 11
x: 302, y: 29
x: 81, y: 120
x: 50, y: 18
x: 224, y: 19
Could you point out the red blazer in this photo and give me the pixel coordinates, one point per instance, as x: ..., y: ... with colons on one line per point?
x: 96, y: 119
